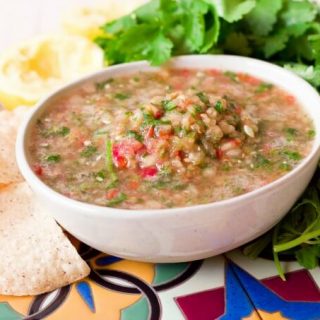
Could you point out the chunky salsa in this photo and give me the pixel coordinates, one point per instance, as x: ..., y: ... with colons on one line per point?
x: 170, y: 138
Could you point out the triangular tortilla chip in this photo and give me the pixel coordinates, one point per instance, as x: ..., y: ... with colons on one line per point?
x: 9, y: 124
x: 35, y: 255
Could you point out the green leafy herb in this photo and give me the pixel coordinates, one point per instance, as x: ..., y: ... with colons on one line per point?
x: 128, y: 113
x: 203, y: 98
x: 263, y: 16
x: 114, y: 183
x: 292, y: 155
x: 160, y: 28
x: 234, y: 10
x: 168, y: 105
x: 117, y: 200
x: 100, y: 175
x: 55, y: 131
x: 291, y: 133
x: 135, y: 135
x: 197, y: 109
x: 311, y: 134
x: 297, y: 234
x: 63, y: 131
x: 263, y: 87
x: 88, y: 151
x: 100, y: 132
x: 150, y: 120
x: 159, y: 184
x: 109, y: 162
x: 53, y: 158
x: 179, y: 186
x: 309, y: 256
x: 285, y: 166
x: 232, y: 76
x: 261, y: 161
x: 219, y: 106
x: 121, y: 96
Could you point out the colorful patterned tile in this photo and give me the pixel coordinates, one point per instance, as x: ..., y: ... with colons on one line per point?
x: 244, y: 297
x: 211, y: 289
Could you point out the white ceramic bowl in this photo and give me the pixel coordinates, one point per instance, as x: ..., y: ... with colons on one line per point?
x: 181, y: 234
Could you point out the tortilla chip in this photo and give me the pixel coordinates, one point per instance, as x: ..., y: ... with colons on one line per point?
x: 9, y: 124
x: 36, y: 256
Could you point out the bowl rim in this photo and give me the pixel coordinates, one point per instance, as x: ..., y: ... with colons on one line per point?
x: 91, y: 209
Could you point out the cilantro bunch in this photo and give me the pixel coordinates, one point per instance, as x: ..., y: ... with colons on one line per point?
x: 160, y: 29
x: 285, y: 32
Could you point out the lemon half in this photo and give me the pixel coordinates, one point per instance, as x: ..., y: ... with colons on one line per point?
x: 35, y: 68
x: 87, y: 21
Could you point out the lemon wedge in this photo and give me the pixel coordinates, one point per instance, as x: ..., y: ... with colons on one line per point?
x: 87, y: 21
x: 35, y: 68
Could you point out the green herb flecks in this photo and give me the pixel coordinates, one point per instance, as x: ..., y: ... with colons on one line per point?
x: 109, y: 162
x: 203, y: 98
x: 168, y: 105
x: 135, y: 135
x: 112, y: 184
x: 122, y: 96
x: 263, y: 87
x: 88, y: 151
x: 219, y: 106
x: 150, y: 120
x: 232, y: 76
x: 53, y: 158
x: 261, y: 162
x: 311, y: 134
x: 291, y: 133
x: 196, y: 109
x: 292, y: 155
x: 55, y: 131
x: 117, y: 200
x: 100, y: 132
x: 285, y: 166
x: 100, y: 175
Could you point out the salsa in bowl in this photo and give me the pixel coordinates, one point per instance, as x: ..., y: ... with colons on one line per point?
x: 204, y: 137
x: 169, y: 138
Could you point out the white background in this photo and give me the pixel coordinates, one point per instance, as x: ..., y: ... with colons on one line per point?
x: 21, y: 19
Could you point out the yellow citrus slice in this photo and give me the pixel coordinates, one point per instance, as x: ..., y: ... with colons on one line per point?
x: 35, y: 68
x: 87, y: 21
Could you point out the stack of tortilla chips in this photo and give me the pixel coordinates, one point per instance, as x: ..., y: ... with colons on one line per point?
x: 36, y: 256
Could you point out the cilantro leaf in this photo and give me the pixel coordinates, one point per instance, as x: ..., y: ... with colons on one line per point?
x: 118, y: 25
x: 159, y: 29
x: 299, y: 12
x: 145, y: 42
x: 307, y: 72
x: 275, y: 43
x: 194, y: 24
x: 314, y: 42
x: 308, y: 256
x: 53, y: 158
x: 88, y: 151
x: 263, y: 16
x: 160, y: 49
x: 238, y: 43
x: 117, y: 200
x: 234, y: 10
